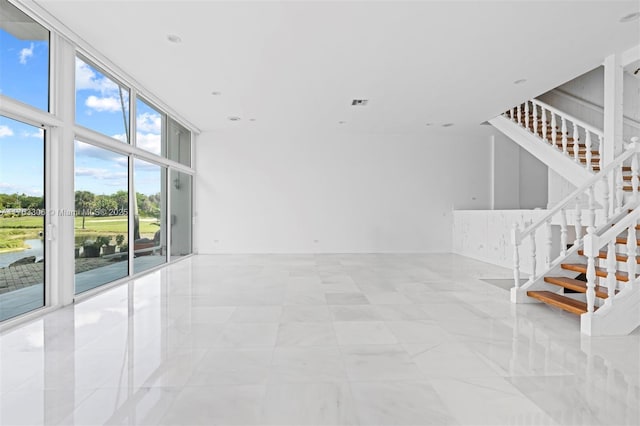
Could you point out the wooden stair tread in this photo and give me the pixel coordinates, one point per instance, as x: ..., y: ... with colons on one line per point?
x: 619, y: 256
x: 576, y: 285
x: 623, y: 240
x: 559, y: 301
x: 600, y: 272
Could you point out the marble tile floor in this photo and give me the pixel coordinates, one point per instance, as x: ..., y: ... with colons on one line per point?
x: 315, y: 340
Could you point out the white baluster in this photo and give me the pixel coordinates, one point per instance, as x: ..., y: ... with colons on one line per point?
x: 513, y: 113
x: 590, y: 251
x: 587, y: 147
x: 549, y: 245
x: 632, y: 244
x: 611, y: 269
x: 563, y: 231
x: 519, y: 111
x: 533, y: 254
x: 515, y: 240
x: 564, y: 135
x: 526, y: 114
x: 578, y: 224
x: 576, y: 143
x: 543, y: 113
x: 535, y: 118
x: 554, y: 131
x: 619, y: 189
x: 601, y: 150
x: 634, y: 176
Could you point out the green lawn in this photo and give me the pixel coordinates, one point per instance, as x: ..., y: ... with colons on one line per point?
x: 14, y: 230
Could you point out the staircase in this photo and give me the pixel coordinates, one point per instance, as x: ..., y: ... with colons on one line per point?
x: 595, y: 227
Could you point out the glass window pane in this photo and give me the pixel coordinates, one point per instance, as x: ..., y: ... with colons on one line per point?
x: 102, y: 217
x: 178, y: 143
x: 101, y: 104
x: 24, y: 57
x: 181, y: 217
x: 149, y: 232
x: 21, y: 218
x: 149, y: 128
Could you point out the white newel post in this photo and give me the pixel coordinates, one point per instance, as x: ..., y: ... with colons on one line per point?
x: 563, y: 231
x: 608, y: 204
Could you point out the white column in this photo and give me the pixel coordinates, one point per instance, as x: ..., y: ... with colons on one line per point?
x: 61, y: 190
x: 613, y: 108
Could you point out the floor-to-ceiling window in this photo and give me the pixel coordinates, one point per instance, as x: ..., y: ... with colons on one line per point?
x: 86, y: 159
x: 102, y: 216
x: 22, y: 214
x: 150, y: 236
x: 24, y: 77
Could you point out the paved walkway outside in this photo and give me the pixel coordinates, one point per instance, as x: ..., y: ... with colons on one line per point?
x: 22, y: 276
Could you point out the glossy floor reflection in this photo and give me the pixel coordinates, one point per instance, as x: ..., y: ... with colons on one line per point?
x: 310, y: 340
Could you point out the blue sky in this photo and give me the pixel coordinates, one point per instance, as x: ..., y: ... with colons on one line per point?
x: 99, y: 100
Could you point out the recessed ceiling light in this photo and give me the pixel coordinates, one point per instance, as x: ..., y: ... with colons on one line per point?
x: 428, y: 124
x: 359, y: 102
x: 214, y: 93
x: 447, y: 125
x: 174, y: 38
x: 522, y: 80
x: 233, y: 118
x: 252, y: 119
x: 341, y: 122
x: 630, y: 17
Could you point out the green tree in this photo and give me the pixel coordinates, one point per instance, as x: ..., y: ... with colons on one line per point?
x: 84, y: 200
x: 104, y: 205
x: 122, y: 199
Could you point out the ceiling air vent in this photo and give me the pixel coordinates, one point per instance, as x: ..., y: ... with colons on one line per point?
x: 359, y: 102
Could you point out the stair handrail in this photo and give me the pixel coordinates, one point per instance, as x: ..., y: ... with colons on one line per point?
x: 547, y: 122
x: 593, y: 243
x: 571, y: 118
x: 611, y: 175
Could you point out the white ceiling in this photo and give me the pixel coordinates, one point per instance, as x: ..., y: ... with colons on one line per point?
x: 299, y: 64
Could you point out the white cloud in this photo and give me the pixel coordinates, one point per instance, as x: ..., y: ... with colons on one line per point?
x: 149, y: 122
x: 109, y: 104
x: 5, y: 131
x: 39, y: 134
x: 149, y: 142
x: 103, y: 174
x: 26, y: 53
x: 87, y: 78
x: 9, y: 188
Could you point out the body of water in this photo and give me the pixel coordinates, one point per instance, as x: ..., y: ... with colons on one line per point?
x: 37, y: 250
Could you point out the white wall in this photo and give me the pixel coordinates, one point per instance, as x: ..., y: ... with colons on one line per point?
x: 267, y: 191
x: 589, y: 88
x: 519, y: 178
